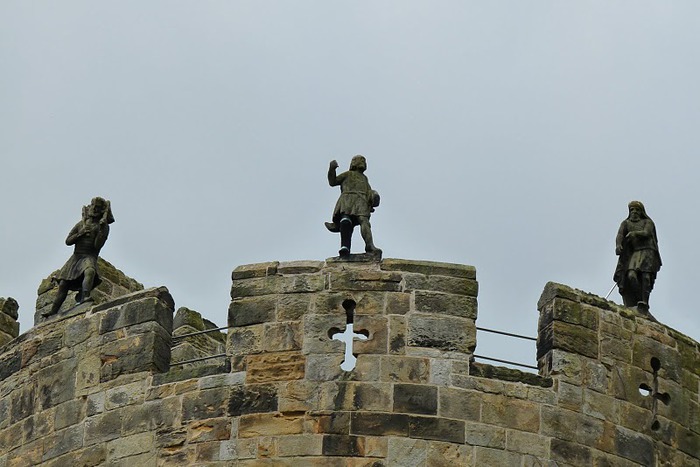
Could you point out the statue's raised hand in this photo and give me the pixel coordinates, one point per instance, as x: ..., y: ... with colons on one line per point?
x: 334, y: 164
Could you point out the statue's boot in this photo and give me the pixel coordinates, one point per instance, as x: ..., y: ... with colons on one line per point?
x: 345, y: 236
x: 84, y: 297
x: 332, y: 226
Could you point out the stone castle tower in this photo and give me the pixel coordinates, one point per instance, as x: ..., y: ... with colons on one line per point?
x: 104, y: 385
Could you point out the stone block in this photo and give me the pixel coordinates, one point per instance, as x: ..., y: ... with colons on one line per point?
x: 279, y: 337
x: 479, y: 434
x: 429, y: 268
x: 511, y: 413
x: 214, y: 429
x: 459, y: 404
x: 222, y: 380
x: 10, y: 363
x: 405, y: 369
x: 299, y: 267
x: 245, y: 341
x: 248, y: 271
x: 377, y: 341
x: 269, y: 424
x: 448, y: 455
x: 341, y: 445
x: 9, y: 325
x: 186, y: 317
x: 450, y: 285
x: 318, y: 330
x: 365, y: 280
x: 527, y: 443
x: 23, y: 403
x: 487, y: 456
x: 571, y: 426
x: 127, y: 394
x: 574, y: 339
x: 210, y: 403
x: 397, y: 335
x: 238, y: 449
x: 415, y: 399
x: 407, y: 452
x: 255, y: 398
x: 293, y: 307
x: 553, y: 290
x: 644, y: 349
x: 252, y: 310
x: 569, y: 453
x: 160, y: 293
x: 324, y: 367
x: 364, y: 396
x: 335, y: 423
x: 379, y: 424
x: 300, y: 446
x: 146, y: 351
x: 62, y: 442
x: 161, y: 415
x: 298, y: 396
x: 5, y: 338
x: 397, y: 303
x: 9, y: 307
x: 331, y: 302
x: 277, y: 366
x: 445, y: 303
x: 443, y: 333
x: 271, y: 285
x: 150, y: 309
x: 508, y: 374
x: 69, y: 413
x: 77, y: 332
x: 131, y: 445
x: 103, y: 427
x: 439, y: 429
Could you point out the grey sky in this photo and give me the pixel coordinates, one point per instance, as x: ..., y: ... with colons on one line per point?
x: 506, y: 135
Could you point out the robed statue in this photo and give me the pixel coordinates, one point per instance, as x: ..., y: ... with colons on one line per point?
x: 357, y: 201
x: 88, y: 237
x: 639, y: 260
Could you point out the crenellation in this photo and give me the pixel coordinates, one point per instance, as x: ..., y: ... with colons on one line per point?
x: 101, y: 384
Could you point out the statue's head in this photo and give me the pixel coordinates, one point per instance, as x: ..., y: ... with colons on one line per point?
x: 636, y: 211
x: 358, y: 163
x: 100, y: 207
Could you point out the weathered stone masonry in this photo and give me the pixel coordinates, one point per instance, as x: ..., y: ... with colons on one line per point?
x: 98, y: 388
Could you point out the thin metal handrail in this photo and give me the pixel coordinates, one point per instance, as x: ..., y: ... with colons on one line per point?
x: 194, y: 360
x: 506, y: 361
x: 206, y: 331
x: 507, y: 334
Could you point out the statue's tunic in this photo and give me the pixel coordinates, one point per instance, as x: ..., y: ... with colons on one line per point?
x: 640, y: 252
x: 355, y: 196
x: 87, y: 249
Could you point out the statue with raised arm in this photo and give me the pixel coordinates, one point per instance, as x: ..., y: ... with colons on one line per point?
x: 88, y: 237
x: 639, y: 260
x: 357, y: 201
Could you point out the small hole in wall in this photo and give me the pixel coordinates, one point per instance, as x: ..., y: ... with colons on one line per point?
x: 655, y: 364
x: 644, y: 390
x: 656, y: 425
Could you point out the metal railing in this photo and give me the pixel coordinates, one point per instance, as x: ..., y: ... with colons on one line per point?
x: 509, y: 334
x: 481, y: 357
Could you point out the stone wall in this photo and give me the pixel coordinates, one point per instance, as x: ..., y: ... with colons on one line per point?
x: 9, y: 327
x: 114, y: 284
x: 96, y: 389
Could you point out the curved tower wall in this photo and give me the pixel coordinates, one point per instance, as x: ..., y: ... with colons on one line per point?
x: 99, y: 388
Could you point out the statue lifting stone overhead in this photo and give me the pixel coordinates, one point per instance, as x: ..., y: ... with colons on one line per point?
x: 80, y: 271
x: 639, y: 260
x: 357, y: 201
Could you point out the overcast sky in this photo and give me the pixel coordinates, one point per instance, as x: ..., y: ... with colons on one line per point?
x: 505, y: 135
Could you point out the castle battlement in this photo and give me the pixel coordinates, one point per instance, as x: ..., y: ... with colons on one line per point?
x: 106, y: 387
